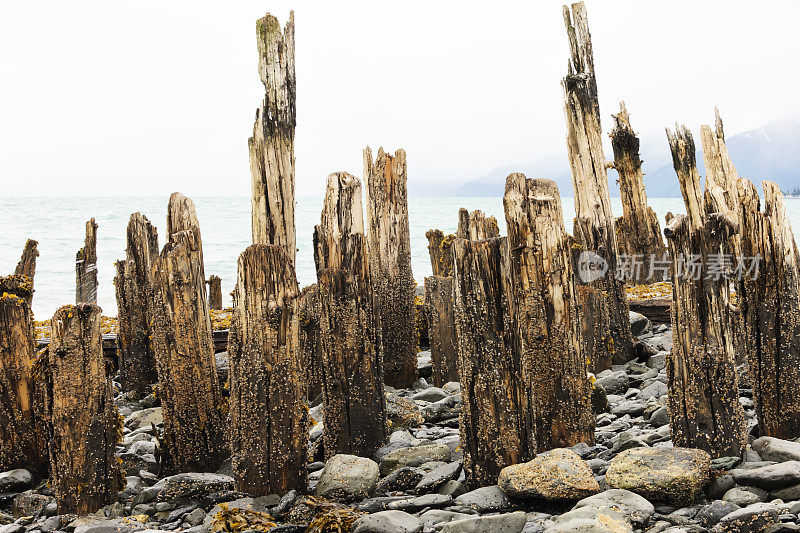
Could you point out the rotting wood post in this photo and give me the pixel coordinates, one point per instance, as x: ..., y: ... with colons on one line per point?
x: 703, y: 393
x: 495, y: 426
x: 440, y: 308
x: 188, y: 385
x: 27, y: 264
x: 552, y: 365
x: 86, y: 267
x: 389, y: 252
x: 769, y: 300
x: 23, y: 427
x: 311, y: 345
x: 638, y: 231
x: 605, y: 319
x: 440, y: 250
x: 86, y: 424
x: 269, y: 417
x: 355, y: 407
x: 272, y: 145
x: 214, y: 293
x: 133, y: 285
x: 476, y: 226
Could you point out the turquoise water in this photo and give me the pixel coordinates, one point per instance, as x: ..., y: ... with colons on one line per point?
x: 59, y: 224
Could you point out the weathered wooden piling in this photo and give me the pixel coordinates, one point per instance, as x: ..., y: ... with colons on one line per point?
x: 440, y: 248
x: 720, y: 171
x: 440, y: 309
x: 496, y: 426
x: 390, y: 257
x: 311, y: 345
x: 355, y: 407
x: 272, y: 144
x: 133, y: 284
x: 769, y: 300
x: 85, y: 422
x: 703, y: 394
x: 214, y: 292
x: 188, y: 385
x: 638, y: 231
x: 27, y: 264
x: 556, y: 390
x: 476, y: 226
x: 605, y: 325
x: 86, y: 267
x: 23, y: 427
x: 269, y: 416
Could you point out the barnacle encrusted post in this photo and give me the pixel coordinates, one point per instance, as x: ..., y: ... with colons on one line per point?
x: 496, y: 429
x: 188, y: 386
x: 638, y: 230
x: 27, y: 264
x: 85, y: 422
x: 544, y: 305
x: 133, y: 285
x: 769, y: 301
x: 440, y: 308
x: 390, y: 259
x: 214, y: 292
x: 350, y: 323
x: 441, y: 252
x: 605, y: 325
x: 23, y: 395
x: 269, y: 418
x: 272, y: 144
x: 703, y: 393
x: 86, y: 267
x: 476, y: 226
x: 311, y: 346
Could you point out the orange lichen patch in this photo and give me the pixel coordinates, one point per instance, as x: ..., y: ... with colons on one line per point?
x: 221, y: 318
x: 660, y: 290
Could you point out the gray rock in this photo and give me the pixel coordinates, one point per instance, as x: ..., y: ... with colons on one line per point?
x: 144, y: 418
x: 12, y: 528
x: 453, y: 488
x: 29, y: 503
x: 591, y: 520
x: 634, y: 507
x: 639, y: 323
x: 629, y: 407
x: 558, y: 474
x: 712, y: 513
x: 719, y: 486
x: 438, y: 477
x: 614, y: 382
x: 769, y: 477
x: 743, y: 497
x: 195, y: 518
x: 388, y: 522
x: 191, y: 485
x: 421, y: 502
x: 431, y: 394
x: 142, y: 447
x: 778, y: 450
x: 656, y: 389
x: 91, y: 524
x: 658, y: 361
x: 501, y: 523
x: 15, y: 480
x: 347, y: 478
x: 402, y: 479
x: 439, y: 516
x: 414, y: 457
x: 756, y: 517
x: 485, y: 499
x: 787, y: 494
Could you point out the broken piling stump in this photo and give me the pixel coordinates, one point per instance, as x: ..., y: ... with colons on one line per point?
x: 27, y: 264
x: 311, y: 345
x: 476, y: 226
x: 440, y: 309
x: 441, y: 253
x: 214, y: 293
x: 86, y: 267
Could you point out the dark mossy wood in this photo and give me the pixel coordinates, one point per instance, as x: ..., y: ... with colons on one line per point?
x: 269, y: 417
x: 390, y: 257
x: 311, y: 345
x: 476, y: 226
x: 194, y: 420
x: 355, y: 407
x: 86, y: 425
x: 440, y: 308
x: 27, y: 264
x: 214, y: 293
x: 440, y: 250
x: 86, y: 267
x: 553, y: 367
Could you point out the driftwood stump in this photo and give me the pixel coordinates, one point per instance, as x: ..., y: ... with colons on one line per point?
x: 476, y: 226
x: 133, y: 284
x: 390, y: 258
x: 311, y: 345
x: 440, y: 249
x: 496, y: 429
x: 440, y: 308
x: 86, y: 425
x: 638, y: 231
x: 188, y: 385
x: 272, y: 144
x: 769, y: 300
x: 23, y: 427
x: 214, y: 293
x: 553, y: 368
x: 605, y: 324
x: 86, y: 267
x: 355, y: 407
x: 703, y: 393
x: 268, y: 412
x: 27, y: 264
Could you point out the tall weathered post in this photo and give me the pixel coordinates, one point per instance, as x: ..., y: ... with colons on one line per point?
x: 355, y: 407
x: 272, y: 144
x: 552, y: 365
x: 476, y: 226
x: 214, y: 292
x: 440, y: 308
x: 86, y: 267
x: 605, y: 325
x: 311, y: 345
x: 27, y: 264
x: 440, y: 248
x: 390, y: 259
x: 269, y: 417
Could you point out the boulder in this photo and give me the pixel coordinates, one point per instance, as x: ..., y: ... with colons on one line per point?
x: 677, y: 475
x: 614, y: 382
x: 778, y: 450
x: 15, y: 480
x: 639, y: 323
x: 485, y: 499
x: 769, y: 477
x: 144, y: 418
x: 501, y: 523
x: 635, y: 508
x: 388, y: 522
x: 558, y: 474
x: 753, y: 518
x: 743, y: 497
x: 438, y: 477
x: 347, y: 478
x: 712, y: 513
x: 439, y: 516
x: 591, y: 520
x: 414, y: 457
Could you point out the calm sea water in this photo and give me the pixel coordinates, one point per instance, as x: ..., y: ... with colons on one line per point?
x: 59, y: 225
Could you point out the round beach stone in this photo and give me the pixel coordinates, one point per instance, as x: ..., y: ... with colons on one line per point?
x: 558, y: 474
x: 414, y: 457
x: 15, y: 480
x: 591, y: 520
x: 634, y: 507
x: 388, y: 522
x: 347, y: 477
x: 756, y: 517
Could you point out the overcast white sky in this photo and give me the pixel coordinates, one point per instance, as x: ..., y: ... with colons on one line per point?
x: 144, y: 97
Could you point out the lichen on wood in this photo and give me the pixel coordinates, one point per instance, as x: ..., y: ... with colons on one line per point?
x: 311, y: 345
x: 440, y: 250
x: 476, y: 225
x: 86, y: 267
x: 214, y: 293
x: 27, y: 264
x: 440, y: 309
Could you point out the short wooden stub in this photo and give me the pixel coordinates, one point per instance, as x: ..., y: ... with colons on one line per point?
x: 476, y: 226
x: 272, y: 144
x: 355, y: 407
x: 440, y: 250
x: 188, y: 385
x: 703, y: 393
x: 268, y: 412
x: 27, y: 264
x: 496, y: 429
x: 440, y: 308
x: 133, y: 284
x: 86, y: 425
x: 311, y: 346
x: 390, y: 257
x: 23, y: 430
x: 86, y: 267
x: 553, y: 366
x: 215, y: 293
